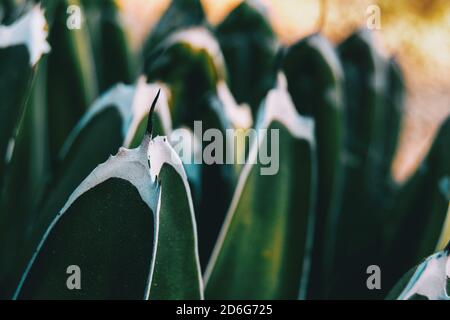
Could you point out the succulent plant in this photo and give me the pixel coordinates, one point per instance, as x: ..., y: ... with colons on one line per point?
x: 427, y: 281
x: 274, y: 249
x: 320, y: 95
x: 92, y: 175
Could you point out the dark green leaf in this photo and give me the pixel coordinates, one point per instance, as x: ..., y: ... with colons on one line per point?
x: 358, y: 226
x: 116, y: 251
x: 116, y: 115
x: 315, y: 82
x: 177, y: 242
x: 70, y: 92
x: 264, y: 247
x: 97, y: 233
x: 249, y: 46
x: 24, y: 182
x: 11, y: 10
x: 417, y: 219
x: 21, y: 46
x: 191, y: 64
x: 180, y: 15
x: 114, y: 60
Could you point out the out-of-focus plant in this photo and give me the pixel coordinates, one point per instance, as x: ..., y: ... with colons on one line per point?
x: 149, y: 224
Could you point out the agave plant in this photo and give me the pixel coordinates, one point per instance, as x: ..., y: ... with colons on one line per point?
x: 97, y: 171
x: 427, y: 281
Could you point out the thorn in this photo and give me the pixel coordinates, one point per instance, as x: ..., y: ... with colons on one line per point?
x: 150, y: 115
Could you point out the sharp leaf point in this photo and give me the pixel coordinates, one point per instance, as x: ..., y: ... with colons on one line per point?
x: 150, y: 114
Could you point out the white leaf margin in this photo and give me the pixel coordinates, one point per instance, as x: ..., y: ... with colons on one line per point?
x: 132, y: 103
x: 31, y: 31
x: 430, y: 278
x: 140, y: 167
x: 199, y: 38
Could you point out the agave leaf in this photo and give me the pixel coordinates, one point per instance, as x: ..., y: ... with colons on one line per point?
x: 392, y: 115
x: 24, y: 181
x: 92, y: 16
x: 25, y: 161
x: 177, y: 268
x: 219, y: 179
x: 249, y: 46
x: 198, y: 83
x: 11, y: 10
x: 192, y: 65
x: 151, y: 253
x: 21, y: 46
x: 315, y: 82
x: 188, y: 148
x: 119, y: 65
x: 114, y: 60
x: 116, y: 115
x: 232, y: 116
x: 7, y: 8
x: 180, y: 15
x: 420, y: 209
x: 429, y: 280
x: 34, y: 131
x: 383, y: 189
x: 70, y: 92
x: 264, y: 247
x: 365, y: 77
x: 95, y: 220
x: 358, y: 227
x: 111, y: 248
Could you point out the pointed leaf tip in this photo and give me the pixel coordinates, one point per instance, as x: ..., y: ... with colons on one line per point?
x: 150, y: 115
